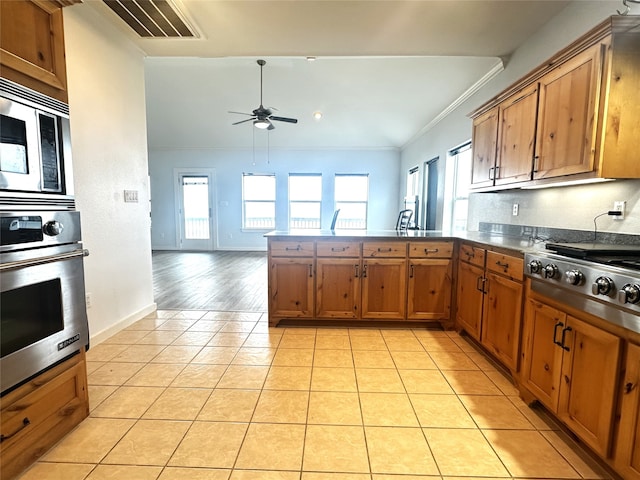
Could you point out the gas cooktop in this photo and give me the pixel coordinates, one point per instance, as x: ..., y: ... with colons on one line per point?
x: 624, y: 256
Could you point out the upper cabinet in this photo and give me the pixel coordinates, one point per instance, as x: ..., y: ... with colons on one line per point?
x: 573, y: 118
x: 32, y: 45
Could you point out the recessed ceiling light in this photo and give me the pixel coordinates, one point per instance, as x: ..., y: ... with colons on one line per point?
x: 317, y: 115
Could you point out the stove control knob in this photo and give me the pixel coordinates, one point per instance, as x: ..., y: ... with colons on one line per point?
x: 574, y: 277
x: 52, y: 228
x: 535, y: 266
x: 629, y: 294
x: 550, y: 271
x: 602, y: 286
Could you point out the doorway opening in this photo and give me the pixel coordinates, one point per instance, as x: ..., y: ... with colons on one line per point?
x: 194, y: 212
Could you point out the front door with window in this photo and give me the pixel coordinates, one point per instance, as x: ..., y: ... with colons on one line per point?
x: 194, y: 211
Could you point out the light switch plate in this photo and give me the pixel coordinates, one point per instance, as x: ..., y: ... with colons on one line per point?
x: 131, y: 196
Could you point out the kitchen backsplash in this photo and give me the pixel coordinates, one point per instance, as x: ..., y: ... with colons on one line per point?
x: 558, y: 235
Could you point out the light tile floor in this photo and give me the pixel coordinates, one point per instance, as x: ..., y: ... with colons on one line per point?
x: 205, y: 395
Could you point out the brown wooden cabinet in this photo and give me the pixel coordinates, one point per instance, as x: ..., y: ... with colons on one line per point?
x: 32, y: 45
x: 338, y: 280
x: 39, y: 413
x: 489, y: 301
x: 470, y: 289
x: 572, y: 118
x: 572, y: 367
x: 565, y: 139
x: 502, y: 309
x: 627, y: 453
x: 516, y: 135
x: 484, y: 141
x: 430, y: 280
x: 291, y: 279
x: 384, y: 280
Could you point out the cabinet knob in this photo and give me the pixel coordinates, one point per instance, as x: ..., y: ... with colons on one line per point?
x: 628, y: 388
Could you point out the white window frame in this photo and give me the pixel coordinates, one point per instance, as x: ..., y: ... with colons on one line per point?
x: 456, y: 194
x: 245, y: 201
x: 308, y: 202
x: 342, y: 222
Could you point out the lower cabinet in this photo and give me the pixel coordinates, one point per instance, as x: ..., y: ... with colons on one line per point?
x: 384, y: 288
x: 430, y: 280
x: 627, y: 453
x: 338, y: 288
x: 572, y: 367
x: 489, y: 301
x: 291, y: 287
x: 39, y: 413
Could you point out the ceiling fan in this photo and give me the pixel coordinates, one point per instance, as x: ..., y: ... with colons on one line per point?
x: 261, y: 116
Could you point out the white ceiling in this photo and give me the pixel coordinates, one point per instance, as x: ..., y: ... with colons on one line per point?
x: 384, y: 69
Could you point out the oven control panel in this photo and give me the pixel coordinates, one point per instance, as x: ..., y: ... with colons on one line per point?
x: 31, y: 229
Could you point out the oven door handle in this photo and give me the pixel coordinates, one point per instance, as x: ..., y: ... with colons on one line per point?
x: 31, y: 262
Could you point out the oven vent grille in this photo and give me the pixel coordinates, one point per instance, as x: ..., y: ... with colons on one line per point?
x: 41, y: 203
x: 33, y: 98
x: 152, y: 18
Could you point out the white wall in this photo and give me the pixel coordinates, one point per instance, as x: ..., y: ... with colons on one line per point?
x: 108, y: 134
x: 567, y: 207
x: 381, y: 165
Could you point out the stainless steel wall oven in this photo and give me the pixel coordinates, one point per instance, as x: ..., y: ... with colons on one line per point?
x: 43, y: 318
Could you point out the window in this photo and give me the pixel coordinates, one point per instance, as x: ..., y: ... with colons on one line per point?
x: 351, y: 197
x: 305, y: 198
x: 259, y: 201
x: 458, y: 181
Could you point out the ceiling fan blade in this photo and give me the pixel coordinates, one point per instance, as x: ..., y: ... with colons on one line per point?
x: 284, y: 119
x: 271, y: 126
x: 242, y: 121
x: 242, y: 113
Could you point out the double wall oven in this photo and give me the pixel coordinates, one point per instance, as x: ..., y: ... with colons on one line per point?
x: 43, y: 318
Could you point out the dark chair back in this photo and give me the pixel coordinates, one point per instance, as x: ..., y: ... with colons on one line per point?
x: 404, y: 217
x: 335, y: 219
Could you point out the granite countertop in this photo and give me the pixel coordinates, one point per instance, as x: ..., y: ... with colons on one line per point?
x: 510, y: 242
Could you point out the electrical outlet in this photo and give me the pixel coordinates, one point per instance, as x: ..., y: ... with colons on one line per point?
x: 88, y: 300
x: 515, y: 209
x: 619, y: 207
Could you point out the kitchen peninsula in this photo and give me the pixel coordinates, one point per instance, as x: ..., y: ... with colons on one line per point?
x: 364, y: 277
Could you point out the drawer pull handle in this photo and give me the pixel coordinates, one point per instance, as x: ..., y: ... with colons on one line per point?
x: 334, y: 249
x: 290, y: 249
x: 435, y: 250
x: 25, y: 422
x: 385, y: 249
x: 470, y: 254
x: 503, y: 265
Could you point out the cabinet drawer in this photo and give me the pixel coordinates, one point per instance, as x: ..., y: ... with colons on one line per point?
x: 338, y: 249
x: 384, y: 249
x: 472, y: 255
x: 507, y: 265
x: 291, y: 249
x: 430, y: 249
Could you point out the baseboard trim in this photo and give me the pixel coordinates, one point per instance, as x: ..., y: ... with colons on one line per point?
x: 100, y: 337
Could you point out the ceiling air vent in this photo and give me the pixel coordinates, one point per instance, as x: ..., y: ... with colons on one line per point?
x: 152, y: 18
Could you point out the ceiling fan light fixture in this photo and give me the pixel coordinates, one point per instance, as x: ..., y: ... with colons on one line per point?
x: 317, y: 114
x: 261, y: 124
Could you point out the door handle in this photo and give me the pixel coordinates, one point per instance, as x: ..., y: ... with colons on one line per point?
x: 555, y: 333
x: 357, y: 273
x: 411, y: 271
x: 564, y: 332
x: 364, y: 271
x: 310, y: 270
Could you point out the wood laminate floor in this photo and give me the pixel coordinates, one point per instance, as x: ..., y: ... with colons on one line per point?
x: 228, y: 281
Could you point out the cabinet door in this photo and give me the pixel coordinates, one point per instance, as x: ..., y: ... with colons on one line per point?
x: 542, y: 356
x: 291, y: 287
x: 565, y: 140
x: 429, y: 293
x: 516, y: 137
x: 590, y: 368
x: 337, y: 287
x: 469, y: 298
x: 484, y: 141
x: 627, y: 457
x: 384, y: 288
x: 32, y: 52
x: 502, y: 314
